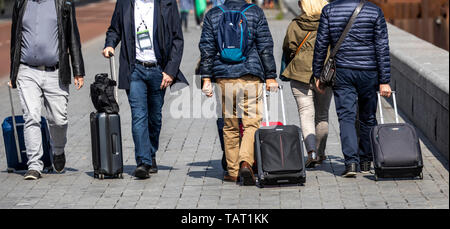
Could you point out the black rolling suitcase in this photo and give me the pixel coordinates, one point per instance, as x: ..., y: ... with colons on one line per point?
x: 396, y: 148
x: 106, y: 139
x: 279, y: 151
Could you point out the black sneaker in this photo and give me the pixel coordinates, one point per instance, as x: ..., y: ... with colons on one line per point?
x: 365, y: 167
x: 350, y: 170
x: 32, y: 175
x: 59, y: 161
x: 142, y: 171
x: 154, y: 168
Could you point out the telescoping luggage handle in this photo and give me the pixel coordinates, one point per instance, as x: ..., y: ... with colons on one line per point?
x: 112, y: 66
x: 266, y: 111
x: 381, y: 107
x: 16, y: 137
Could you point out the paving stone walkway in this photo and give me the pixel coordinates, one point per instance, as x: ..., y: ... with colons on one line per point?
x: 190, y: 174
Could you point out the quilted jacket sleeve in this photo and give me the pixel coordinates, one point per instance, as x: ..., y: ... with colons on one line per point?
x: 208, y: 48
x: 264, y: 46
x: 322, y: 42
x: 382, y: 49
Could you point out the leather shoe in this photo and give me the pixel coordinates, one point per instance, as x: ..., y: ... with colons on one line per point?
x: 246, y: 174
x: 142, y: 171
x: 230, y: 178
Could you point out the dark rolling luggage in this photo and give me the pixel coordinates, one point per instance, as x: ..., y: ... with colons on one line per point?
x: 13, y: 136
x: 279, y: 151
x: 106, y: 140
x: 396, y: 148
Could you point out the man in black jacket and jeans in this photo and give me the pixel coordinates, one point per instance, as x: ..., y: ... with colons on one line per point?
x: 44, y: 34
x: 363, y: 68
x: 150, y: 56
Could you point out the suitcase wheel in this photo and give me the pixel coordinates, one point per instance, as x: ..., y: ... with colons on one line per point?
x: 9, y: 170
x: 421, y: 175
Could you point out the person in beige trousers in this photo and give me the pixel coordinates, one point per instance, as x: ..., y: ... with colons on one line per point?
x: 313, y: 106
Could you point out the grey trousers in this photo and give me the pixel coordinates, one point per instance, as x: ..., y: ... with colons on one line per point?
x: 313, y: 110
x: 36, y: 87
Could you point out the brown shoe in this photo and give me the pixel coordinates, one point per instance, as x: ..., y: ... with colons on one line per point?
x: 230, y: 178
x: 246, y: 174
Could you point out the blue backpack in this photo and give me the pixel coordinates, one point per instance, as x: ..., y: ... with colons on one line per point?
x: 233, y: 34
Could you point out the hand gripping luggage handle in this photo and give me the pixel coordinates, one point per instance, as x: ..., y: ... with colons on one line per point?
x: 16, y: 137
x: 266, y: 111
x: 381, y: 107
x: 112, y: 66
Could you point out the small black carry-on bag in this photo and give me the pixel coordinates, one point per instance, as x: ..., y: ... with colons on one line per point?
x: 106, y: 135
x: 13, y: 136
x: 396, y: 148
x: 279, y: 150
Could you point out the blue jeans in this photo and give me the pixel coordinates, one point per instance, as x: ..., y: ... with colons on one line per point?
x: 146, y: 101
x: 352, y: 87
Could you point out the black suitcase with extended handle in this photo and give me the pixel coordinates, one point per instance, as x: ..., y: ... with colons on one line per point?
x: 279, y: 151
x: 106, y: 139
x: 396, y: 148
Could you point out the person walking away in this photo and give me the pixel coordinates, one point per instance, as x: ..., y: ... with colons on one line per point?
x: 2, y: 7
x: 363, y: 67
x: 313, y: 106
x: 150, y: 58
x: 41, y: 71
x: 239, y: 79
x: 186, y: 6
x: 199, y: 11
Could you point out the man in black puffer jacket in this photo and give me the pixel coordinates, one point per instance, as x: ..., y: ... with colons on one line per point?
x: 363, y: 67
x: 244, y: 78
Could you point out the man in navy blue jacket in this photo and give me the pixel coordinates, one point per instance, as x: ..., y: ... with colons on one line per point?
x: 150, y: 56
x: 244, y: 79
x: 363, y: 68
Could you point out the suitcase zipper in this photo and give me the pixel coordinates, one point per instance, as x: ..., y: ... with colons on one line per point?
x: 281, y: 152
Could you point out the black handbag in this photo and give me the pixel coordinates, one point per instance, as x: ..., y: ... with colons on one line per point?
x: 328, y: 74
x: 102, y: 94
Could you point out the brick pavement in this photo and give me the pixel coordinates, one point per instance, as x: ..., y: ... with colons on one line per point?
x: 190, y: 173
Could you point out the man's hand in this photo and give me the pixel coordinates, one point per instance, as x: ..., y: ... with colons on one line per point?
x: 319, y: 87
x: 166, y: 81
x: 79, y: 82
x: 385, y: 90
x: 271, y: 85
x: 108, y: 50
x: 10, y: 84
x: 207, y: 87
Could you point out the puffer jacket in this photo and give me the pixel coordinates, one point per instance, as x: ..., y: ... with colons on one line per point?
x: 300, y: 65
x: 260, y: 61
x: 366, y: 46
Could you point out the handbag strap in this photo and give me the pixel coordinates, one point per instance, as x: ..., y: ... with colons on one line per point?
x: 303, y: 42
x: 347, y: 28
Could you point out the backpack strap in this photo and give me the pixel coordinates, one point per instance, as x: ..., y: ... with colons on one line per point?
x: 223, y: 8
x: 246, y: 7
